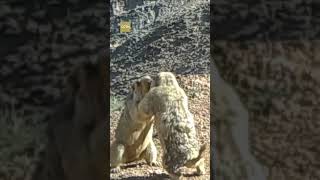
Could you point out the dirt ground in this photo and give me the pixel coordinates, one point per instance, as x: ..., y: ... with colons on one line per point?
x: 197, y: 88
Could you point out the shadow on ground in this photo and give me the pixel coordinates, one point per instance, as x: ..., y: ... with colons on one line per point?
x: 151, y: 177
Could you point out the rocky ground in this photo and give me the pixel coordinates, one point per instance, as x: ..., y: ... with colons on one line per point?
x: 179, y: 43
x: 197, y: 88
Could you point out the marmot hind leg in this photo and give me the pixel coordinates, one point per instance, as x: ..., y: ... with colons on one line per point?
x: 200, y: 168
x: 198, y: 162
x: 150, y: 154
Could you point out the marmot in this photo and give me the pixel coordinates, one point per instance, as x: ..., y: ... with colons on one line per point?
x: 133, y: 136
x: 168, y: 103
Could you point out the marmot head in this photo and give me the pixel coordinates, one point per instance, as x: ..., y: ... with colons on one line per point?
x: 141, y: 87
x: 164, y: 79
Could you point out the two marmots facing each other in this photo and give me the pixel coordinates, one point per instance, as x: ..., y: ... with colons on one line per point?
x: 166, y: 104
